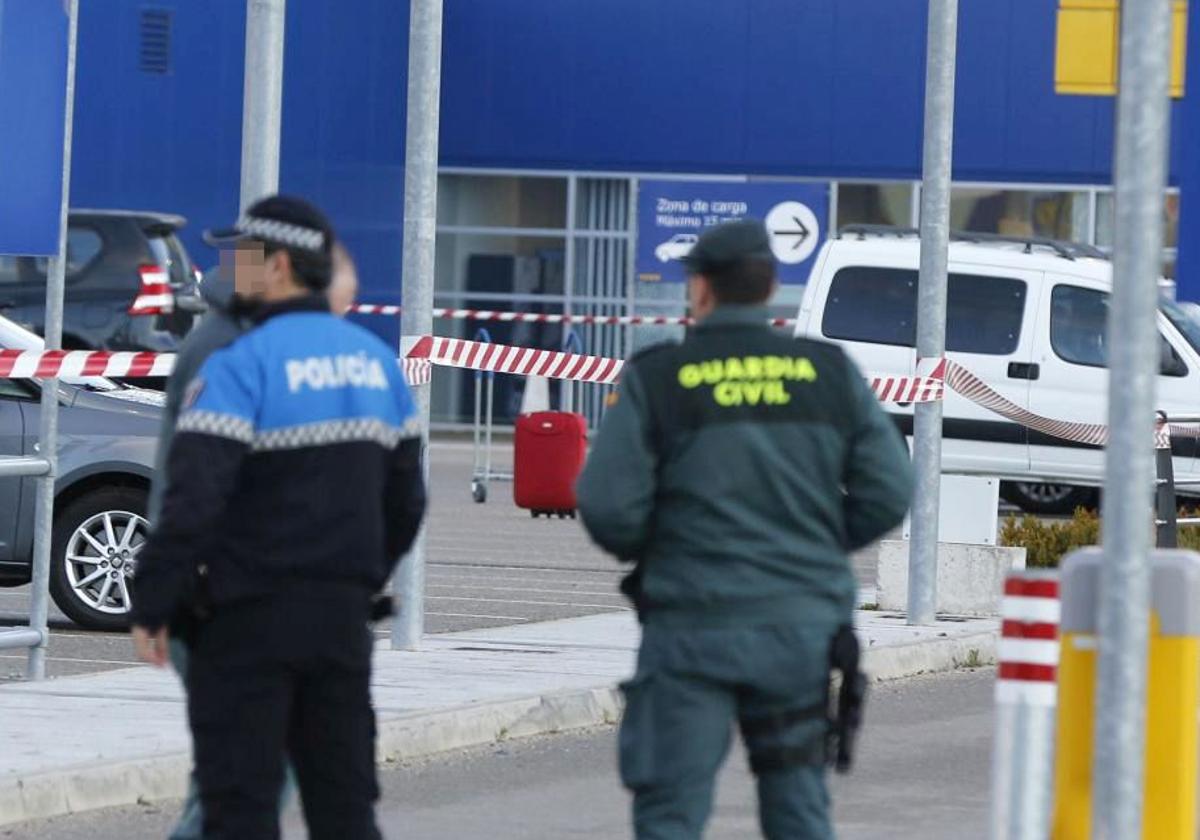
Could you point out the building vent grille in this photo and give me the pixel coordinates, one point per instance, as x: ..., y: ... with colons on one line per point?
x: 154, y: 53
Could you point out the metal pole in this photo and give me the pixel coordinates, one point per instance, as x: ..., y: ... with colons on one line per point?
x: 931, y: 303
x: 43, y: 517
x: 262, y: 99
x: 1140, y: 180
x: 420, y: 228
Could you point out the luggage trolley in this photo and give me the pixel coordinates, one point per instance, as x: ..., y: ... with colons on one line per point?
x: 566, y: 389
x: 481, y: 469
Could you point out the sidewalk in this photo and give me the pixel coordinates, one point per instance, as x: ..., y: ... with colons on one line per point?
x: 78, y: 743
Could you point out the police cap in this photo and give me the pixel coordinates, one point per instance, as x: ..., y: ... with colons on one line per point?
x: 290, y: 223
x: 727, y: 244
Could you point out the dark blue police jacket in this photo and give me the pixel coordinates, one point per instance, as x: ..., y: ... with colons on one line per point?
x: 296, y: 458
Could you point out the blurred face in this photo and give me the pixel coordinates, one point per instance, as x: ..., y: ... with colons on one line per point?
x: 245, y: 265
x: 343, y: 288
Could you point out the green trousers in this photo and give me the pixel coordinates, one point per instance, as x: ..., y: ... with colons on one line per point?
x: 691, y: 686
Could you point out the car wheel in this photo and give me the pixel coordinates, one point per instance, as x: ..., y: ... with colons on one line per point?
x: 1040, y: 497
x: 97, y: 539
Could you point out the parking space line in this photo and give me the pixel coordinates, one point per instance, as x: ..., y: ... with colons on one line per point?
x: 512, y: 567
x: 612, y: 592
x: 535, y: 603
x: 73, y: 660
x: 478, y: 615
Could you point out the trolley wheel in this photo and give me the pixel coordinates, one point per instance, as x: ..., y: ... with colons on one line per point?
x: 478, y: 492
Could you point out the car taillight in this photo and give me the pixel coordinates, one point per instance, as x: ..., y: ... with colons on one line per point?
x: 154, y: 297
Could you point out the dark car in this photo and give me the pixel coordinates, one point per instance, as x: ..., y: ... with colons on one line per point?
x: 130, y: 283
x: 107, y: 439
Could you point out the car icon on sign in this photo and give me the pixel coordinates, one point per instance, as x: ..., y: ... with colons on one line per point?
x: 675, y: 248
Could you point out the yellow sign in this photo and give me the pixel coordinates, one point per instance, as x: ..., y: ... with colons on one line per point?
x: 1089, y: 38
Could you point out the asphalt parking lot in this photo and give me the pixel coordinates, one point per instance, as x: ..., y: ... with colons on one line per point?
x: 488, y: 565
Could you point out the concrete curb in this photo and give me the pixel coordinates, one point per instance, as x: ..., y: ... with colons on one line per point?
x: 927, y: 657
x: 100, y: 785
x: 421, y: 734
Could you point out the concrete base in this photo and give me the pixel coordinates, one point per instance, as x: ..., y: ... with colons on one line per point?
x: 970, y: 578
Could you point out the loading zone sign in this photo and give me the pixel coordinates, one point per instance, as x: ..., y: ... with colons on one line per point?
x: 672, y: 214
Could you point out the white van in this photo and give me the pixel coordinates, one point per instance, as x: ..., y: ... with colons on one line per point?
x: 1028, y: 317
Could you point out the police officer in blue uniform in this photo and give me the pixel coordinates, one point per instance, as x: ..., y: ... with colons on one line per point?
x: 294, y: 485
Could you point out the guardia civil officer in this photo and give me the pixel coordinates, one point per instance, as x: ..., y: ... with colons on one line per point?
x: 737, y: 469
x: 293, y: 486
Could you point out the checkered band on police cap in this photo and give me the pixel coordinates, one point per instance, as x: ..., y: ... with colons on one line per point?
x: 282, y: 220
x: 272, y: 230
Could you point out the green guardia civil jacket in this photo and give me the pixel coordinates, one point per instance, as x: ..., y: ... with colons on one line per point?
x: 738, y: 469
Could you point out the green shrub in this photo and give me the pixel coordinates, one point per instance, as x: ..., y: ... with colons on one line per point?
x: 1047, y: 542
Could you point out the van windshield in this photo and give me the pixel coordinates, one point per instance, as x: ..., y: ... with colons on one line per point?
x: 1186, y: 319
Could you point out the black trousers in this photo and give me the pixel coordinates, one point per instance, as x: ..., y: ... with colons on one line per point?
x: 286, y: 675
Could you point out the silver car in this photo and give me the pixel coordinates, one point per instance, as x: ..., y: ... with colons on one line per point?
x: 107, y: 438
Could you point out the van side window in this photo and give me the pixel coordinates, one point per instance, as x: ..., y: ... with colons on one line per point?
x: 879, y: 306
x: 873, y: 305
x: 1077, y: 325
x: 1078, y: 331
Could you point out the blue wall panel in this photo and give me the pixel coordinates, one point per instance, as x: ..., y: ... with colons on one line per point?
x: 33, y: 84
x: 173, y: 142
x: 160, y: 142
x: 821, y: 88
x: 878, y: 78
x: 1186, y: 134
x: 825, y: 88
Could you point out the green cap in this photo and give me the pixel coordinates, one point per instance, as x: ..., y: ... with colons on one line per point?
x: 729, y: 243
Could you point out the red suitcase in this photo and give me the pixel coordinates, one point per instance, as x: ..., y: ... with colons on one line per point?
x: 548, y: 456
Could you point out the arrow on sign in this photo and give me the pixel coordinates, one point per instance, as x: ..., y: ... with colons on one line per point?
x: 801, y: 233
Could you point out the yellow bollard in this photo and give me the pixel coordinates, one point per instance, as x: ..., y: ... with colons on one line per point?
x: 1169, y: 806
x: 1076, y: 719
x: 1172, y: 698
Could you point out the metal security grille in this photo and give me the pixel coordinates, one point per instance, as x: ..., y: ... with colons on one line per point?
x: 154, y: 43
x: 602, y: 272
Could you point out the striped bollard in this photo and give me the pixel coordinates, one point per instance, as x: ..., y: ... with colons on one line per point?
x: 1026, y: 700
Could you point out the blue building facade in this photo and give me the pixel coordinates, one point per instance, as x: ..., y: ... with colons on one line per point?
x: 556, y: 109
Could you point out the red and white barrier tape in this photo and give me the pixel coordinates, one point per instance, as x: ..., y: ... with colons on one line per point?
x: 26, y: 364
x: 428, y: 351
x: 523, y: 361
x: 551, y: 364
x: 547, y: 318
x: 34, y: 364
x: 1029, y: 648
x: 907, y: 389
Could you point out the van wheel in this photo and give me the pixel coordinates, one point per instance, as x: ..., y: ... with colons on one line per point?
x: 1039, y: 497
x: 93, y: 555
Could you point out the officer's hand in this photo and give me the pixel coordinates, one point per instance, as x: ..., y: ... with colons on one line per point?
x: 151, y: 645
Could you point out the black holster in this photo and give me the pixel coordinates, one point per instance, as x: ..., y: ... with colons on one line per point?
x: 850, y: 700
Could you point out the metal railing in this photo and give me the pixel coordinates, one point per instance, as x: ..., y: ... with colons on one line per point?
x: 1166, y: 500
